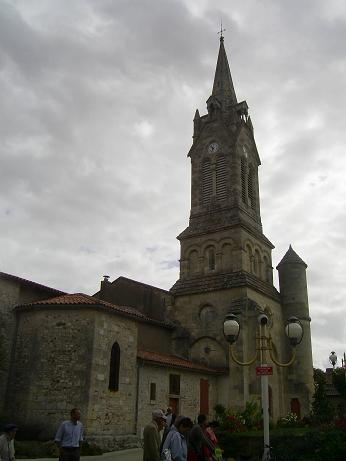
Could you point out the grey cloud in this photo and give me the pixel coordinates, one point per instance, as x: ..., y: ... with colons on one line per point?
x: 82, y: 193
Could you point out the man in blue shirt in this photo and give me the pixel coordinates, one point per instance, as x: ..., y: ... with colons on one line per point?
x: 69, y: 436
x: 175, y: 441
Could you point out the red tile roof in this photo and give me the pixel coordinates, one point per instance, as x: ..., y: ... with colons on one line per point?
x: 80, y: 299
x: 30, y: 283
x: 177, y: 362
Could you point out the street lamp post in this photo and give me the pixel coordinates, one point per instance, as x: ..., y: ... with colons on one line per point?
x: 333, y: 358
x: 264, y: 344
x: 343, y: 364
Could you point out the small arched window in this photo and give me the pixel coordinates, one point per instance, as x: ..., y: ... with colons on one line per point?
x: 257, y: 263
x: 267, y: 270
x: 249, y: 259
x: 193, y: 262
x: 226, y: 257
x: 211, y: 259
x: 114, y: 368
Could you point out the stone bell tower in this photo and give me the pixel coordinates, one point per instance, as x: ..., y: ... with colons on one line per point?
x: 225, y: 259
x: 225, y: 203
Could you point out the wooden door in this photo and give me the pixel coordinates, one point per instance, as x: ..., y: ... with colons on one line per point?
x: 295, y: 407
x: 174, y: 404
x: 204, y: 397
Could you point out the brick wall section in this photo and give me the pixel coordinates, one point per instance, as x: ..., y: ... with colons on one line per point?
x: 189, y: 392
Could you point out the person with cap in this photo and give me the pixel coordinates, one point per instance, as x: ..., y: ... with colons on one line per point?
x: 69, y: 436
x: 7, y: 452
x: 151, y: 436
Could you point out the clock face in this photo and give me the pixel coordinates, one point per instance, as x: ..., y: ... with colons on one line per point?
x: 213, y: 147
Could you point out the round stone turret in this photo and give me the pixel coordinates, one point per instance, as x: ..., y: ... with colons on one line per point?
x: 293, y: 286
x: 294, y: 301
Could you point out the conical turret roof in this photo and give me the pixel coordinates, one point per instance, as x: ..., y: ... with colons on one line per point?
x: 291, y: 257
x: 223, y: 88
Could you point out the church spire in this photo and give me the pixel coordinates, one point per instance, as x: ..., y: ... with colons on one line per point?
x: 223, y: 88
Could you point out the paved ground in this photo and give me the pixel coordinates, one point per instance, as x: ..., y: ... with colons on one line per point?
x: 135, y: 454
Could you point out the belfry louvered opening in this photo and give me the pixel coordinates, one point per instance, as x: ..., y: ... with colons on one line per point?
x: 250, y: 187
x: 221, y: 178
x: 243, y: 178
x: 207, y: 182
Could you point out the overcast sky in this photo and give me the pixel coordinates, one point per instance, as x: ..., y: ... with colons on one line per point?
x: 97, y: 101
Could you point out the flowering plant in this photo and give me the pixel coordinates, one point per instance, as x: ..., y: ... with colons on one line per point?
x: 290, y: 420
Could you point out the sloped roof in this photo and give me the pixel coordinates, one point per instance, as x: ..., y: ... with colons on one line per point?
x: 136, y: 282
x: 81, y: 299
x: 222, y: 281
x: 29, y: 283
x: 177, y: 362
x: 291, y: 257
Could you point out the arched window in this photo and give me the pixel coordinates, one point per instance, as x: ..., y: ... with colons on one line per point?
x: 207, y: 316
x: 211, y: 259
x: 207, y: 182
x: 226, y: 257
x: 114, y: 368
x: 193, y: 262
x: 257, y: 264
x: 221, y: 178
x: 249, y: 259
x: 267, y: 270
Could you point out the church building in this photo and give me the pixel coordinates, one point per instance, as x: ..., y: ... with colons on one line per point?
x: 131, y: 347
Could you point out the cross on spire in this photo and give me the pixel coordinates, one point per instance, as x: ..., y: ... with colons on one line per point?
x: 221, y: 32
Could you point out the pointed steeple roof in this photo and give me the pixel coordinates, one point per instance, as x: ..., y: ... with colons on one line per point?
x: 223, y: 88
x: 291, y: 257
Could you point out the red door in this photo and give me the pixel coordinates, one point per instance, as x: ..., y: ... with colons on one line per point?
x: 295, y: 407
x: 174, y: 404
x: 204, y: 397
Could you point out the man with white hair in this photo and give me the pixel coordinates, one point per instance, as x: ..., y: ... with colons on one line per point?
x: 151, y: 436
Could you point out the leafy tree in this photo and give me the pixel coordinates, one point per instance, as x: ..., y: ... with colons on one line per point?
x: 339, y: 381
x: 322, y: 410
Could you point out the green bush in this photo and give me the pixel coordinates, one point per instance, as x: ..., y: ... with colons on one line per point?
x: 249, y: 419
x: 252, y: 416
x: 298, y: 444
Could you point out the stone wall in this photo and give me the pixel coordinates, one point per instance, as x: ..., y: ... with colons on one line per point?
x: 9, y: 293
x: 154, y: 338
x: 112, y: 413
x: 14, y: 291
x: 50, y: 372
x: 189, y: 399
x: 203, y: 315
x: 62, y: 360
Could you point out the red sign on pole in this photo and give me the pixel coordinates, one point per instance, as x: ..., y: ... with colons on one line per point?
x: 263, y: 371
